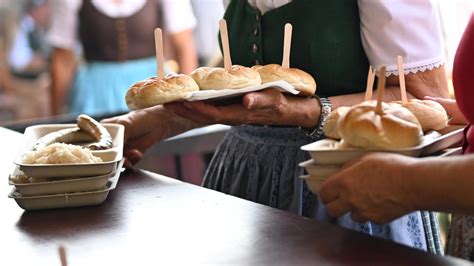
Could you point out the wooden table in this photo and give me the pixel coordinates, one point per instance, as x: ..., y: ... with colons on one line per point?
x: 151, y: 219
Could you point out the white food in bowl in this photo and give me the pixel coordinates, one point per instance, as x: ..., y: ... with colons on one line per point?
x: 60, y: 153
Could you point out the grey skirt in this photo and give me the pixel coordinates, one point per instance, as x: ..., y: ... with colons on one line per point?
x: 261, y: 164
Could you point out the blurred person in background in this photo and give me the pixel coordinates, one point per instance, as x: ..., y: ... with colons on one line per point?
x: 208, y: 13
x: 29, y: 53
x: 6, y: 89
x: 118, y: 47
x: 27, y: 58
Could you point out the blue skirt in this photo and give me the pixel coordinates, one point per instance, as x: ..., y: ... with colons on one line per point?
x: 100, y: 87
x: 261, y: 164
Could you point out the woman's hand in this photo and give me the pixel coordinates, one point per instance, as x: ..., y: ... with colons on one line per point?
x: 457, y: 118
x: 268, y: 107
x: 373, y: 188
x: 142, y: 130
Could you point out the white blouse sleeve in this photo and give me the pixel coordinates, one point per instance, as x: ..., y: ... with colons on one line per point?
x: 63, y: 32
x: 178, y: 15
x: 410, y: 28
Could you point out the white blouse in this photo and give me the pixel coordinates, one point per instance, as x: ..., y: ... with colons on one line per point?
x: 410, y: 28
x: 177, y: 15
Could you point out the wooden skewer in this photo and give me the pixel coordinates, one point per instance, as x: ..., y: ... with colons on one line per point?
x: 380, y: 89
x: 225, y: 44
x: 401, y: 76
x: 287, y: 46
x: 159, y: 52
x: 62, y: 256
x: 370, y: 84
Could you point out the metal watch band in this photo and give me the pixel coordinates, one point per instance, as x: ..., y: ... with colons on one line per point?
x: 326, y: 108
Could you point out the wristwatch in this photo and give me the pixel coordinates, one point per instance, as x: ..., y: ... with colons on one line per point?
x: 326, y: 108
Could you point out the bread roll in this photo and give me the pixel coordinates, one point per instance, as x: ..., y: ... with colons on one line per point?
x: 154, y: 91
x: 301, y: 80
x: 430, y: 114
x: 395, y: 128
x: 331, y: 129
x: 216, y: 78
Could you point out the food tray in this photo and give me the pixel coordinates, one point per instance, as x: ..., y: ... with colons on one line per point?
x: 201, y: 95
x: 66, y: 200
x: 68, y: 185
x: 110, y: 157
x: 327, y: 151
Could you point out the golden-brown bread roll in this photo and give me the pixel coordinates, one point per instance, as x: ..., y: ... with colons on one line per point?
x: 301, y: 80
x: 430, y: 114
x: 217, y: 78
x: 154, y: 91
x: 394, y: 128
x: 331, y: 129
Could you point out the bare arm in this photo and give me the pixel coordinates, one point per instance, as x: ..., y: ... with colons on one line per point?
x: 62, y: 71
x: 381, y: 187
x: 185, y: 48
x: 429, y: 83
x: 145, y: 127
x: 442, y: 184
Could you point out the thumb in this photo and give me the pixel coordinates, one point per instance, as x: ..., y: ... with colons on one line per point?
x: 132, y: 157
x: 263, y: 99
x: 446, y: 103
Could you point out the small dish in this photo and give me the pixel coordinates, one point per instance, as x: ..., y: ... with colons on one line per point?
x: 67, y: 200
x: 110, y: 157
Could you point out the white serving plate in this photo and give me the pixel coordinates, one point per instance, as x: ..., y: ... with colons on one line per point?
x: 201, y: 95
x: 327, y: 151
x: 66, y: 200
x: 110, y: 157
x: 69, y: 185
x: 451, y: 136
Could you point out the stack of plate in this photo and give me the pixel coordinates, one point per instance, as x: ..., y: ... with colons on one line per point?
x: 328, y: 155
x: 46, y: 186
x: 317, y: 174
